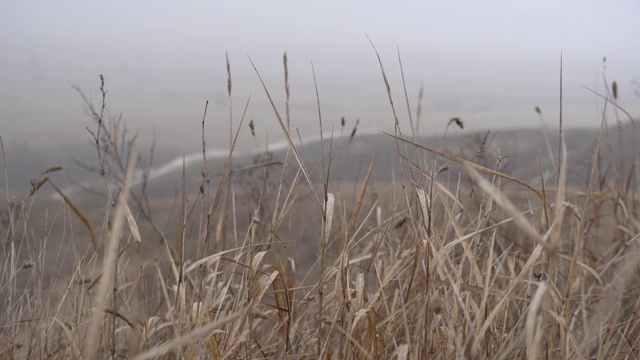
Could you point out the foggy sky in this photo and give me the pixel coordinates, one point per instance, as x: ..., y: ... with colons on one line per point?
x: 488, y: 62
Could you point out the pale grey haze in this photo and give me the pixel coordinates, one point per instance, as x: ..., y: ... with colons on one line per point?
x: 489, y: 63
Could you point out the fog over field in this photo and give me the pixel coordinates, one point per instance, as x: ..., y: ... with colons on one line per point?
x: 488, y: 63
x: 292, y: 179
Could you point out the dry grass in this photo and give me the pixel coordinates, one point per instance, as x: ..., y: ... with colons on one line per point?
x: 428, y: 266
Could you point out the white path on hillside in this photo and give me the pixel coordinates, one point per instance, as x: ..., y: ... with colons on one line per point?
x: 176, y: 164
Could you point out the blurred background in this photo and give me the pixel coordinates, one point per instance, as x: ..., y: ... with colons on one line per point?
x: 489, y: 63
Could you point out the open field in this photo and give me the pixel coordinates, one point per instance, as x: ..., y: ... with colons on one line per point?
x: 354, y: 247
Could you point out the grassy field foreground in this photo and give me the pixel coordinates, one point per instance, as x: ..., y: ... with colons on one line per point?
x: 433, y: 265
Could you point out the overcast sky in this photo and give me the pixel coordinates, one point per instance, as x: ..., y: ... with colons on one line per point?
x: 488, y: 62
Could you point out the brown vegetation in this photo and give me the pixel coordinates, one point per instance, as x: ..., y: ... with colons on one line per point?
x: 433, y: 264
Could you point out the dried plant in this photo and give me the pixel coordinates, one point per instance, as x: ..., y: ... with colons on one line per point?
x: 454, y: 258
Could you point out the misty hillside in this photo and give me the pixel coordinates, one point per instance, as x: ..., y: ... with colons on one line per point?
x: 523, y: 154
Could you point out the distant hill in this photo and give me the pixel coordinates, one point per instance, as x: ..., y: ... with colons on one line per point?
x: 523, y: 153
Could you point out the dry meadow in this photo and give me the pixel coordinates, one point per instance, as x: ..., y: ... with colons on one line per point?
x: 450, y: 258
